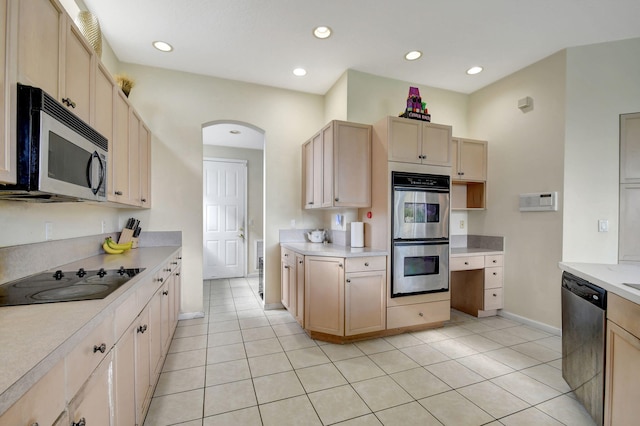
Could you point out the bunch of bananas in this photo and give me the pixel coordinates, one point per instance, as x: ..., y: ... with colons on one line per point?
x: 111, y: 247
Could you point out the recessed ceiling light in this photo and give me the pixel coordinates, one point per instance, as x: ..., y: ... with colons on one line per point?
x: 300, y: 72
x: 162, y: 46
x: 322, y: 32
x: 235, y: 132
x: 474, y: 70
x: 413, y: 55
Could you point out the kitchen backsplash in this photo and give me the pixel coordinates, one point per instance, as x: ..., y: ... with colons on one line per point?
x: 478, y: 241
x: 341, y: 238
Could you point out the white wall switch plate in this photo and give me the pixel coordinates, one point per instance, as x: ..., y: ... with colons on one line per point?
x: 603, y: 225
x: 48, y: 231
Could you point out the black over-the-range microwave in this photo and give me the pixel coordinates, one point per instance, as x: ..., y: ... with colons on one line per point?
x: 59, y: 156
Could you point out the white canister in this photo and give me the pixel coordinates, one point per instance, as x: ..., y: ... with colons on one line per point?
x: 357, y: 234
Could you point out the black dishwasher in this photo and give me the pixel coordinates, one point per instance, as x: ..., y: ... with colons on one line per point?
x: 584, y: 308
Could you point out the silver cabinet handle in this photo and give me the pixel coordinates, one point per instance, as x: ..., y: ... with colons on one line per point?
x: 102, y: 348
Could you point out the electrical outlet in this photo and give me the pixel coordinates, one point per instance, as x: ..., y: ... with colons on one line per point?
x: 48, y: 231
x: 293, y: 224
x: 103, y: 225
x: 603, y: 225
x: 462, y: 224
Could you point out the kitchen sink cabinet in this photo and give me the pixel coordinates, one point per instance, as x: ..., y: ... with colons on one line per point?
x: 469, y: 174
x: 419, y: 142
x: 7, y: 141
x: 622, y: 362
x: 337, y: 166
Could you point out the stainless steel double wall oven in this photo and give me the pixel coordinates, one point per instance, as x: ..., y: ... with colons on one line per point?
x: 420, y: 229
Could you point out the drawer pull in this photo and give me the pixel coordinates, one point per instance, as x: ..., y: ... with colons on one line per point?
x: 495, y: 273
x: 495, y: 261
x: 118, y: 192
x: 495, y: 295
x: 102, y: 348
x: 466, y: 263
x: 165, y: 293
x: 286, y: 266
x: 366, y: 263
x: 160, y: 279
x: 81, y: 422
x: 177, y: 274
x: 421, y: 314
x: 180, y: 258
x: 348, y: 280
x: 340, y: 265
x: 141, y: 329
x: 300, y: 262
x: 167, y: 269
x: 336, y: 199
x: 174, y: 263
x: 144, y: 200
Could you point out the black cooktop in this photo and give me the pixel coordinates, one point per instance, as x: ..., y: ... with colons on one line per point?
x: 65, y: 286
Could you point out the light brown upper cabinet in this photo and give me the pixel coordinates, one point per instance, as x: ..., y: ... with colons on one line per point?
x: 630, y: 148
x: 337, y: 166
x: 145, y: 165
x: 419, y: 142
x: 7, y: 142
x: 469, y: 159
x: 79, y: 73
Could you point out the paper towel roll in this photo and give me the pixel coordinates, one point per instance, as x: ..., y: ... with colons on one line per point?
x: 357, y: 234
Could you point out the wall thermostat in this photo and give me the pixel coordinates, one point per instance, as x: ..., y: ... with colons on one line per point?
x: 539, y: 202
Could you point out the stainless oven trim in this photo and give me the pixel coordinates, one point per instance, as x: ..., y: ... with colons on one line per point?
x: 439, y: 248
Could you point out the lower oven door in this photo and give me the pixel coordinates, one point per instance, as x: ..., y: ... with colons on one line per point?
x: 419, y: 267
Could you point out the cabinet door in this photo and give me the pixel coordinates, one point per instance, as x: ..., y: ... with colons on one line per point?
x: 285, y: 285
x: 299, y: 289
x: 622, y: 376
x: 364, y: 302
x: 455, y: 144
x: 125, y: 376
x: 436, y: 144
x: 324, y: 294
x: 405, y: 144
x: 120, y: 158
x: 103, y: 117
x: 93, y: 402
x: 143, y: 367
x: 7, y: 143
x: 145, y: 166
x: 307, y: 173
x: 628, y: 243
x: 79, y: 63
x: 134, y: 158
x: 317, y: 171
x: 155, y: 334
x: 352, y: 165
x: 472, y: 160
x: 40, y: 24
x: 327, y: 165
x: 630, y: 148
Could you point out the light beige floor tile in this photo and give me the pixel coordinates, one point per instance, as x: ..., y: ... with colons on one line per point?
x: 340, y: 352
x: 296, y: 341
x: 182, y: 360
x: 320, y: 377
x: 193, y: 321
x: 180, y: 381
x: 420, y: 383
x: 307, y: 357
x: 258, y: 333
x: 493, y: 399
x: 412, y: 414
x: 530, y: 417
x: 357, y: 369
x: 374, y: 346
x: 511, y: 358
x: 226, y: 372
x: 269, y: 364
x: 245, y: 417
x: 452, y: 409
x: 554, y: 343
x: 250, y: 313
x: 548, y: 375
x: 536, y: 351
x: 453, y: 348
x: 228, y: 397
x: 485, y: 366
x: 454, y: 374
x: 393, y: 361
x: 424, y: 354
x: 477, y: 327
x: 403, y: 340
x: 225, y: 353
x: 338, y: 404
x: 290, y: 412
x: 277, y: 386
x: 175, y: 408
x: 222, y: 326
x: 263, y: 347
x: 505, y: 339
x: 498, y: 323
x: 366, y: 420
x: 287, y: 329
x: 527, y: 332
x: 191, y: 330
x: 188, y: 344
x: 281, y: 319
x: 525, y: 388
x: 217, y: 309
x: 222, y: 316
x: 556, y: 364
x: 381, y: 393
x: 567, y: 410
x: 220, y: 301
x: 224, y: 338
x: 191, y: 423
x: 478, y: 343
x: 252, y: 306
x: 430, y: 335
x: 262, y: 321
x: 455, y: 331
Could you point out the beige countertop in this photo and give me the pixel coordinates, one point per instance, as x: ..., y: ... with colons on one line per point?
x: 33, y: 338
x: 611, y: 277
x: 333, y: 250
x: 473, y: 251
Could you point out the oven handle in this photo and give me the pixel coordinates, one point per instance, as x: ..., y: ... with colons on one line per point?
x: 422, y: 242
x: 420, y: 189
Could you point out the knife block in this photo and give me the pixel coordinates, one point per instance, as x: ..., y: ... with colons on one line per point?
x: 125, y: 236
x: 135, y: 242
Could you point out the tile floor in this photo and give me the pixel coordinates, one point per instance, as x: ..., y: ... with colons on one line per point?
x: 241, y: 365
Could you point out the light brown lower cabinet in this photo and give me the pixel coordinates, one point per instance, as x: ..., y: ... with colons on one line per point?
x: 622, y: 371
x: 92, y: 404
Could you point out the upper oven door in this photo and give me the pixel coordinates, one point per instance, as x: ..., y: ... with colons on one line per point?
x: 420, y: 214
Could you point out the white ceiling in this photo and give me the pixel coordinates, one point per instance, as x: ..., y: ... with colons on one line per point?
x: 261, y: 41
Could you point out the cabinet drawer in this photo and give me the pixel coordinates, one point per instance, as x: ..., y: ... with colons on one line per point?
x: 493, y: 277
x: 88, y: 354
x: 418, y: 314
x: 493, y: 299
x: 287, y: 256
x: 493, y: 260
x: 467, y: 262
x: 363, y: 264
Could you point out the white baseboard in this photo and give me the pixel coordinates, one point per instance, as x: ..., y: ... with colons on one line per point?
x: 191, y: 315
x: 532, y: 323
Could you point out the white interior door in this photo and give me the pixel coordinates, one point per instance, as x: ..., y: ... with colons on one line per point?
x: 224, y: 201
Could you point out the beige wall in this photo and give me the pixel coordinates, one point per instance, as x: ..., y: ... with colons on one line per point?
x: 255, y: 179
x: 526, y: 154
x: 602, y: 83
x: 336, y: 101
